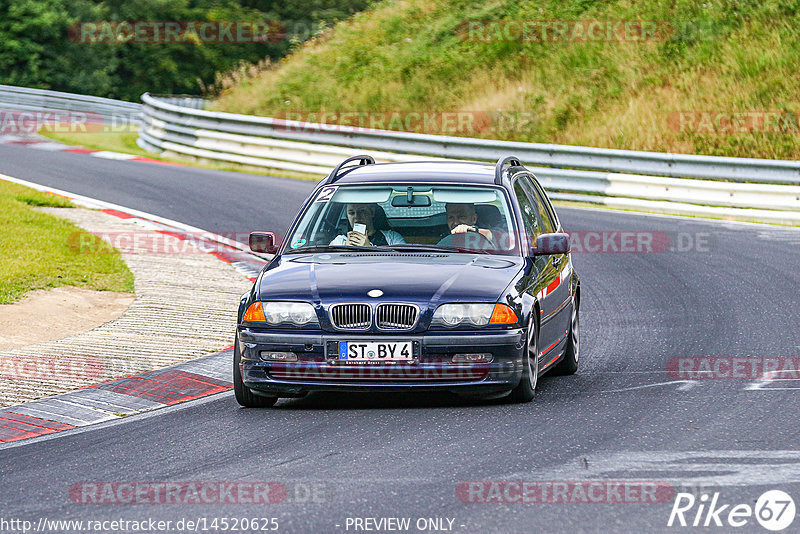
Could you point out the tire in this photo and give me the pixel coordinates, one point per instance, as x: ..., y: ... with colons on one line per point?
x: 524, y: 392
x: 569, y: 363
x: 244, y: 396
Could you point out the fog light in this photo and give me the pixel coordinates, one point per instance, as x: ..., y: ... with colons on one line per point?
x: 472, y: 358
x: 271, y: 356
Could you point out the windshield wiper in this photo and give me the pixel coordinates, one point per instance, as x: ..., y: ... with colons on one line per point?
x: 400, y: 247
x: 411, y: 247
x: 337, y: 248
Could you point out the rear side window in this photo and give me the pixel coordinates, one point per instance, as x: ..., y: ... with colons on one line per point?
x: 543, y: 215
x: 552, y: 212
x: 530, y: 214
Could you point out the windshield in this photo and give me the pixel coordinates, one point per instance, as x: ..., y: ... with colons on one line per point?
x: 471, y: 219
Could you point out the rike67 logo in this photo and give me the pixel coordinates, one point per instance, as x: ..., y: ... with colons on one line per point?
x: 774, y: 510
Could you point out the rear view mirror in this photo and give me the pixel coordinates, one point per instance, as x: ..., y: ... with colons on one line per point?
x: 267, y: 242
x: 547, y: 244
x: 416, y: 201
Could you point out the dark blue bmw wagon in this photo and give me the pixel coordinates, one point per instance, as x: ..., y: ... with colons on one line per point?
x: 447, y: 275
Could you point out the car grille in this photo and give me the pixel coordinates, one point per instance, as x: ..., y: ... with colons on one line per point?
x: 396, y: 316
x: 351, y: 316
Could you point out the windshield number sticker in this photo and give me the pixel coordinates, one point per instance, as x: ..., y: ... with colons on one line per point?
x: 327, y: 193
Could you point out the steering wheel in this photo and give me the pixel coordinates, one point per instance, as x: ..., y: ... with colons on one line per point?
x: 326, y: 232
x: 470, y: 240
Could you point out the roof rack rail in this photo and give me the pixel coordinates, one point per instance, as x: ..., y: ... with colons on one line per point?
x: 362, y: 160
x: 513, y: 161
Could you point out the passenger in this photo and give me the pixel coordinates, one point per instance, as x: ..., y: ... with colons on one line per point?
x: 378, y: 232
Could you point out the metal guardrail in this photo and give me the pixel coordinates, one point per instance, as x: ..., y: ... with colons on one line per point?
x: 754, y: 189
x: 565, y: 156
x: 743, y: 188
x: 113, y: 112
x: 184, y: 101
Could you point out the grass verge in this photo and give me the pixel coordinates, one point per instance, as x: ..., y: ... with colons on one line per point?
x: 124, y: 142
x: 716, y: 78
x: 39, y: 250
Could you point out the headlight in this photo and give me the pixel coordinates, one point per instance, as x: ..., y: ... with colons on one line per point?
x: 456, y: 314
x: 275, y: 313
x: 475, y: 314
x: 298, y: 313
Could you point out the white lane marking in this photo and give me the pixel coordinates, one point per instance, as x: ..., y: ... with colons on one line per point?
x: 34, y: 141
x: 685, y: 384
x: 53, y: 147
x: 628, y: 372
x: 763, y: 385
x: 719, y: 467
x: 771, y: 377
x: 686, y: 218
x: 105, y: 154
x: 5, y: 139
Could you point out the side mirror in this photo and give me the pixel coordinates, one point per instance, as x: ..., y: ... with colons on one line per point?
x: 548, y: 244
x: 267, y: 242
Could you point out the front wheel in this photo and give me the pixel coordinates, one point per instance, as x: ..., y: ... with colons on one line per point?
x: 244, y: 396
x: 569, y: 363
x: 530, y: 374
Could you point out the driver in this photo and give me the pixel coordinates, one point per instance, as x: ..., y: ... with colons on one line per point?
x: 462, y: 218
x: 365, y: 214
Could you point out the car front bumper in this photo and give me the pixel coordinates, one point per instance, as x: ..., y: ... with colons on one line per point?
x: 432, y: 370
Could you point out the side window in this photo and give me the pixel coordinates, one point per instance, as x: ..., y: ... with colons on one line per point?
x: 548, y: 225
x: 530, y: 216
x: 540, y: 191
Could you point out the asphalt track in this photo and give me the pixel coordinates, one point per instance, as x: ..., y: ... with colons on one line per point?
x: 621, y: 418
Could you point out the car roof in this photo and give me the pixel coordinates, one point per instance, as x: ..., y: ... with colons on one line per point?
x: 457, y: 172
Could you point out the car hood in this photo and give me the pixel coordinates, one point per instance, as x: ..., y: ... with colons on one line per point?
x: 424, y: 279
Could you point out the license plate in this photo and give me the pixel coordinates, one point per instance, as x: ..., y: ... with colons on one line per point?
x: 376, y: 351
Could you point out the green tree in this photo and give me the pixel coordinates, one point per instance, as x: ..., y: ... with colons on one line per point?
x: 35, y: 50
